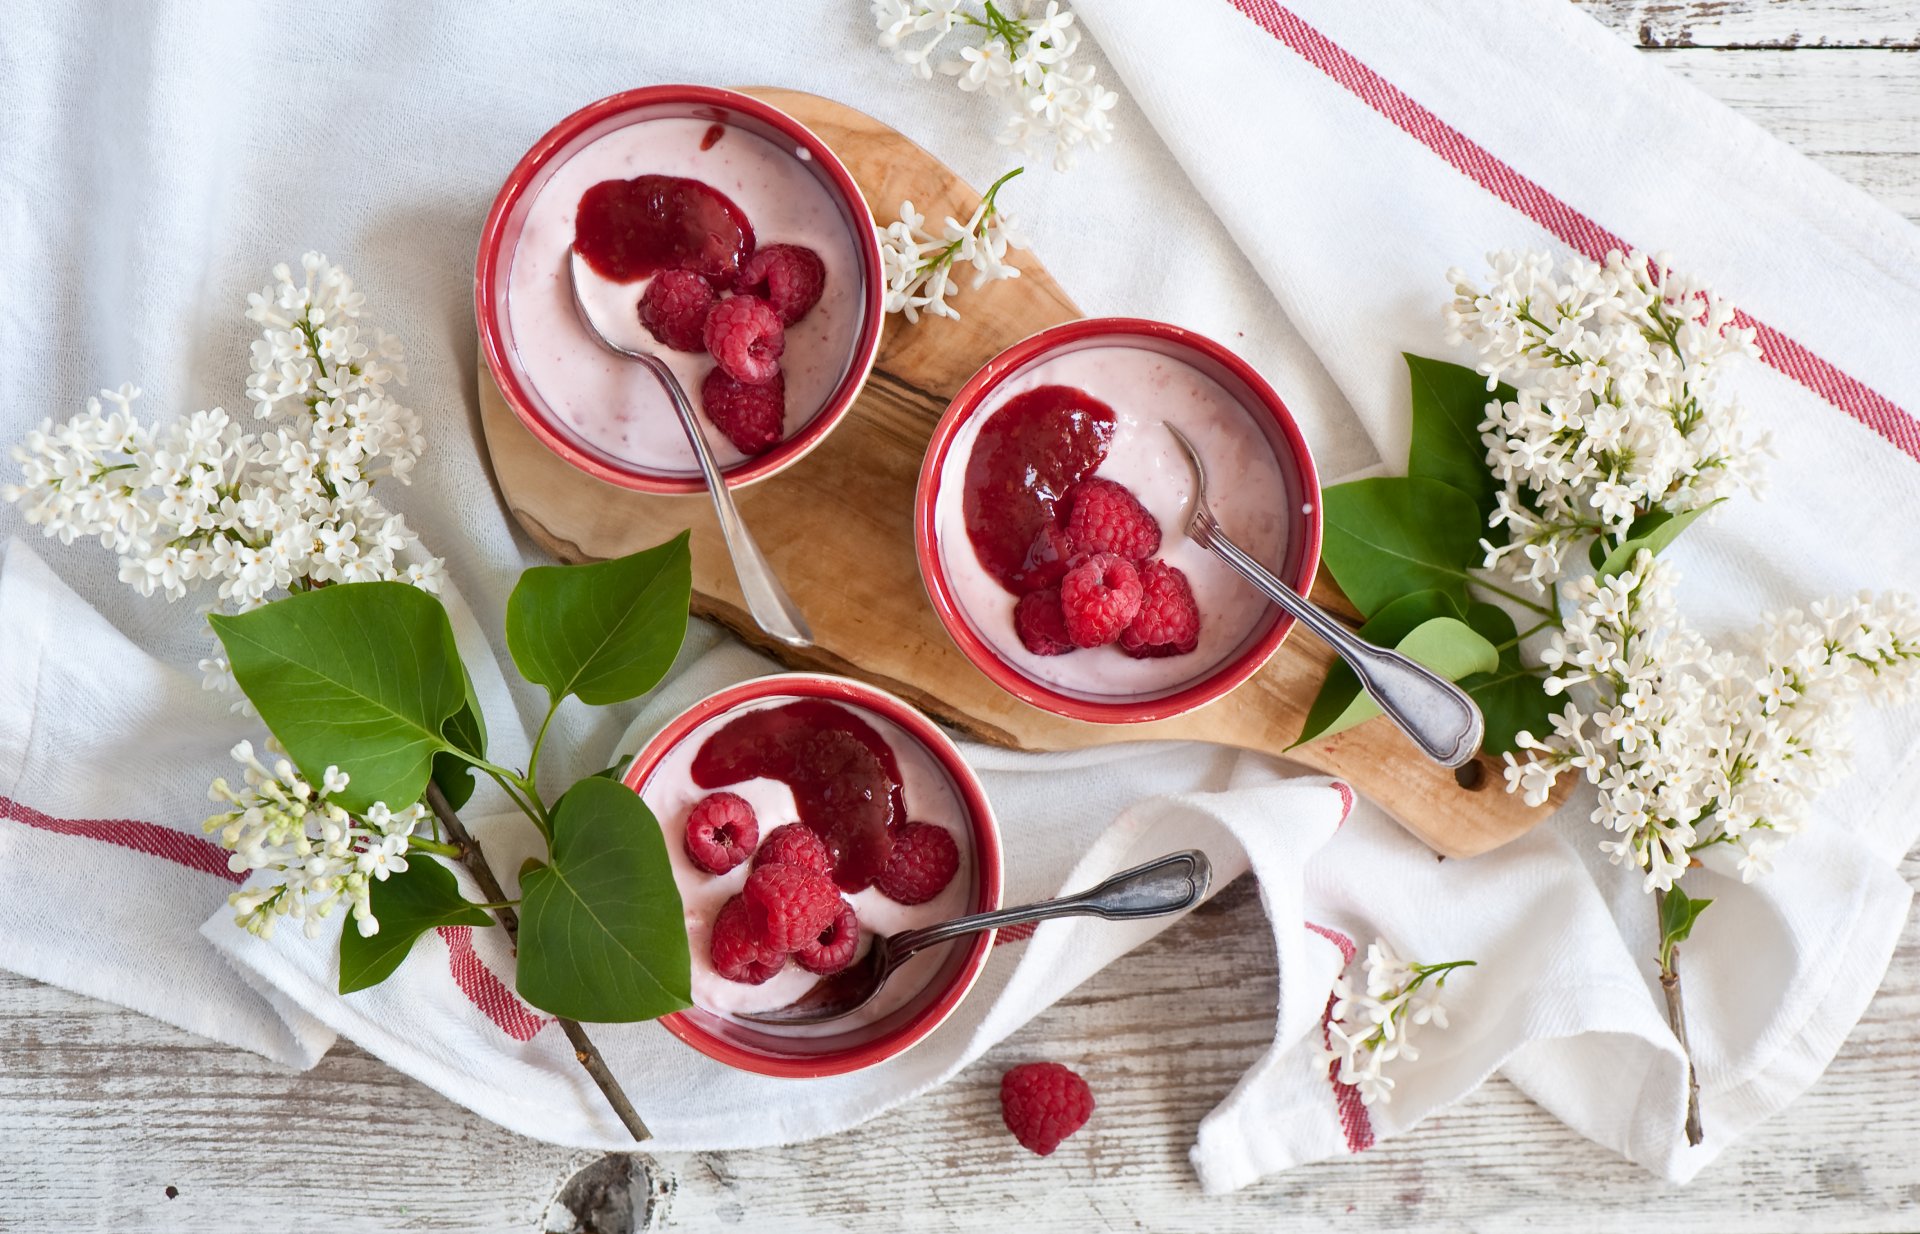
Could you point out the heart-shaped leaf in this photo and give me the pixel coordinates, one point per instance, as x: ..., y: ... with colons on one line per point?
x: 1392, y: 536
x: 1449, y: 402
x: 1677, y: 916
x: 1653, y: 531
x: 603, y: 937
x: 422, y: 897
x: 1425, y: 626
x: 1512, y: 699
x: 362, y: 676
x: 605, y: 632
x: 466, y: 730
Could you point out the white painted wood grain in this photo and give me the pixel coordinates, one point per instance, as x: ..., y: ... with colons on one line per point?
x: 102, y: 1110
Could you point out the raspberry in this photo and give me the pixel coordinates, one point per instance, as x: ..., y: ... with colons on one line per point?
x: 1043, y: 1104
x: 1098, y: 597
x: 833, y: 949
x: 1042, y: 627
x: 788, y: 907
x: 1047, y: 558
x: 795, y: 844
x: 752, y: 417
x: 735, y: 954
x: 721, y: 831
x: 674, y: 309
x: 745, y: 337
x: 789, y: 276
x: 1168, y: 623
x: 924, y: 860
x: 1107, y: 518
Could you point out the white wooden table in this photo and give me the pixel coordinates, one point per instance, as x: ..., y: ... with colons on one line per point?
x: 109, y: 1120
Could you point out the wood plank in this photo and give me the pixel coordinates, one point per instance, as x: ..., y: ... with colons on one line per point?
x: 1748, y: 24
x: 101, y: 1110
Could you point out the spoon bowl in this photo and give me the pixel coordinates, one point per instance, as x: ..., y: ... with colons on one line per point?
x: 1169, y: 884
x: 1438, y: 715
x: 774, y: 611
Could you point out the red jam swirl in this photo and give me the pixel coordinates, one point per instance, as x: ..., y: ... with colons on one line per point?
x: 1025, y: 458
x: 628, y: 230
x: 844, y: 777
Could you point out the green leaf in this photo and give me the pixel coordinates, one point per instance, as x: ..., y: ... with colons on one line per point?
x: 1387, y: 628
x: 422, y: 897
x: 1512, y: 699
x: 1449, y: 402
x: 611, y: 773
x: 362, y: 676
x: 467, y: 730
x: 1424, y: 626
x: 602, y: 933
x: 1677, y: 915
x: 1392, y: 536
x: 1652, y: 531
x: 605, y: 632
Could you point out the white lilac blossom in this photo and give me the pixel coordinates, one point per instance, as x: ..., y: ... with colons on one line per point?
x: 1368, y: 1029
x: 206, y: 500
x: 1703, y: 753
x: 1025, y: 57
x: 323, y: 855
x: 1617, y: 410
x: 920, y: 265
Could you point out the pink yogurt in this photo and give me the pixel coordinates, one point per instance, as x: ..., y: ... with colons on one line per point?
x: 671, y: 794
x: 615, y: 405
x: 1246, y: 490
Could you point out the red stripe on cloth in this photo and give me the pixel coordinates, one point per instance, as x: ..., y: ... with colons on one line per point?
x: 1355, y: 1124
x: 486, y: 991
x: 1015, y: 933
x: 1877, y: 412
x: 191, y: 851
x: 1346, y: 800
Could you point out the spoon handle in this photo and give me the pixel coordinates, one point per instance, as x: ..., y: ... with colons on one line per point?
x: 772, y: 608
x: 1442, y: 720
x: 1164, y: 885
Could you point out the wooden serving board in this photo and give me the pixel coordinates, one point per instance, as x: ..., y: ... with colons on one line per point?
x: 838, y: 528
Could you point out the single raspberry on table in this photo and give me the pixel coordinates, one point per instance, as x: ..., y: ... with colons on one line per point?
x: 674, y: 309
x: 1098, y: 597
x: 1043, y: 1104
x: 753, y: 418
x: 833, y: 949
x: 735, y: 954
x: 744, y: 336
x: 789, y: 276
x: 788, y: 906
x: 1041, y: 625
x: 1107, y: 518
x: 721, y: 831
x: 1168, y: 623
x: 795, y: 844
x: 923, y: 861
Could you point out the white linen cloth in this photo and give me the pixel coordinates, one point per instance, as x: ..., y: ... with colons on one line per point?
x: 160, y: 158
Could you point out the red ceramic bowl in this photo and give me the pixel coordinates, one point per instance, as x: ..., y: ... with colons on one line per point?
x: 502, y: 233
x: 764, y: 1052
x: 1247, y: 388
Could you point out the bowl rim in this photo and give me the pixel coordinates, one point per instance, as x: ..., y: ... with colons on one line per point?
x: 489, y: 305
x: 1230, y: 674
x: 988, y: 864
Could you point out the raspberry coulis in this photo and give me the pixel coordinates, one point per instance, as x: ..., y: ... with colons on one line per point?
x: 845, y: 780
x: 1027, y: 455
x: 629, y: 230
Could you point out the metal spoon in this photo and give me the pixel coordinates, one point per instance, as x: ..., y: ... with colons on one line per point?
x: 1161, y: 886
x: 1442, y: 720
x: 773, y: 609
